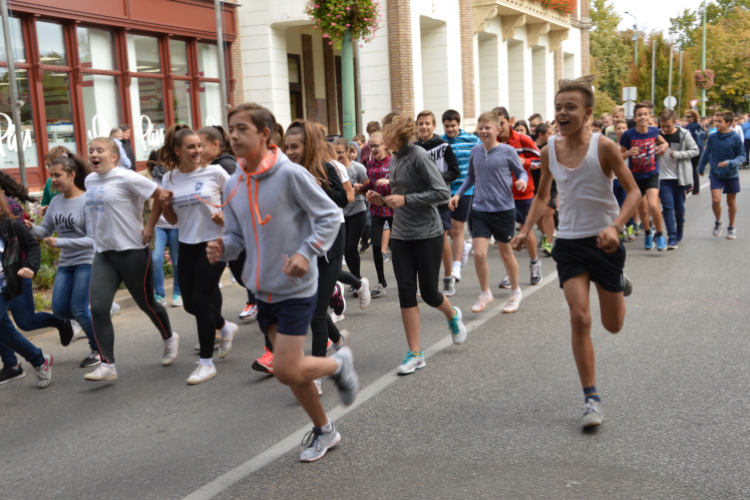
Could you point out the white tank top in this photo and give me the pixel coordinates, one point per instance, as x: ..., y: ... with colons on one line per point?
x: 587, y: 203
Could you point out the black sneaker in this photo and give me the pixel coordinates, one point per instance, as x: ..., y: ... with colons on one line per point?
x: 9, y: 374
x: 92, y: 359
x: 66, y: 333
x: 365, y: 248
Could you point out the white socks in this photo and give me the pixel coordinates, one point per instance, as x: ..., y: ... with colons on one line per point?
x: 487, y: 294
x: 327, y: 428
x: 226, y: 328
x: 207, y: 362
x: 170, y: 339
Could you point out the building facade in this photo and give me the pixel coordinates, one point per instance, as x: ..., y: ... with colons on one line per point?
x: 85, y: 66
x: 468, y: 55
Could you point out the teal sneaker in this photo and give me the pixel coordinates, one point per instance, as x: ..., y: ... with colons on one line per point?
x: 458, y: 329
x: 160, y: 300
x: 412, y: 362
x: 661, y: 243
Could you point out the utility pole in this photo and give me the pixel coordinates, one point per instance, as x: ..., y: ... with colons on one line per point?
x: 703, y: 60
x: 347, y: 87
x: 15, y: 103
x: 679, y: 96
x: 671, y: 56
x: 653, y: 74
x: 222, y: 70
x: 635, y: 38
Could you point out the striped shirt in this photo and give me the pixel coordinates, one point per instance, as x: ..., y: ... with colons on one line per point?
x: 461, y: 146
x: 379, y: 169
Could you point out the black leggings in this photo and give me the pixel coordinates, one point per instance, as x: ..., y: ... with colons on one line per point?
x: 108, y: 270
x: 355, y: 228
x: 418, y: 259
x: 237, y: 266
x: 377, y: 243
x: 322, y: 325
x: 696, y: 176
x: 199, y: 284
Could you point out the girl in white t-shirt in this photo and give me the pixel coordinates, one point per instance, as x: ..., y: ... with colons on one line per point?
x: 191, y: 198
x: 114, y: 200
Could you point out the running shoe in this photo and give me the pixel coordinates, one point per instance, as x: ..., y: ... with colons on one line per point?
x: 648, y: 241
x: 202, y: 373
x: 468, y: 247
x: 264, y: 363
x: 378, y: 291
x: 346, y: 379
x: 93, y: 359
x: 77, y: 330
x: 9, y: 374
x: 338, y: 302
x: 449, y: 286
x: 661, y: 243
x: 679, y: 233
x: 170, y: 350
x: 44, y: 372
x: 176, y: 300
x: 631, y: 233
x: 336, y: 318
x: 593, y: 416
x: 319, y: 386
x: 66, y: 333
x: 160, y: 300
x: 364, y: 248
x: 103, y: 373
x: 364, y: 294
x: 457, y: 327
x: 411, y: 363
x: 317, y: 443
x: 638, y: 228
x: 514, y: 302
x: 546, y: 246
x: 345, y: 338
x: 672, y: 244
x: 114, y: 309
x: 505, y: 283
x: 482, y: 301
x: 385, y: 257
x: 717, y: 228
x: 627, y: 286
x: 249, y: 312
x: 536, y: 272
x: 456, y: 274
x: 225, y: 345
x: 731, y: 233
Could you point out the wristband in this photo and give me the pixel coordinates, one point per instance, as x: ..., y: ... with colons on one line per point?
x: 619, y: 229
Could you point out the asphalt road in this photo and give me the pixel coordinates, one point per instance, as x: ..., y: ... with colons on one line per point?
x: 498, y: 417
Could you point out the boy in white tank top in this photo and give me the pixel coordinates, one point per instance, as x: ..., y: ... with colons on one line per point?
x: 588, y: 246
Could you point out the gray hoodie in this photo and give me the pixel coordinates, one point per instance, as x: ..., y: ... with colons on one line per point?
x: 682, y: 154
x: 284, y: 212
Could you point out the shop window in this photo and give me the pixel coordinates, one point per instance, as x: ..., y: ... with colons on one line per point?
x: 51, y: 44
x: 96, y: 49
x: 101, y: 104
x: 143, y: 54
x: 210, y: 98
x: 16, y: 39
x: 57, y: 105
x: 179, y: 58
x: 208, y: 60
x: 8, y: 148
x: 182, y: 107
x: 147, y: 101
x: 295, y: 86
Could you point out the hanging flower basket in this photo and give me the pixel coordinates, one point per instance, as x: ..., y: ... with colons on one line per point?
x: 333, y: 17
x: 565, y: 7
x: 704, y: 79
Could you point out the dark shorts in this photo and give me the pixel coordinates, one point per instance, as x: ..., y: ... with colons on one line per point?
x: 293, y: 316
x: 729, y: 186
x: 445, y: 218
x: 581, y: 256
x: 461, y: 213
x: 501, y: 225
x: 536, y: 175
x: 522, y: 209
x: 650, y: 182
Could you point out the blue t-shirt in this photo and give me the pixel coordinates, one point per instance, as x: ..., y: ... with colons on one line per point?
x: 644, y: 164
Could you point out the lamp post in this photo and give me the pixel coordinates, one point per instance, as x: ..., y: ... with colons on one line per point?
x: 703, y: 58
x: 635, y: 38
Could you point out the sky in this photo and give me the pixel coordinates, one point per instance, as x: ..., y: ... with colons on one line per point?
x: 651, y: 14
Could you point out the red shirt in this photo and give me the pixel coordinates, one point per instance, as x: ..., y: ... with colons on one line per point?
x: 379, y: 169
x: 530, y: 157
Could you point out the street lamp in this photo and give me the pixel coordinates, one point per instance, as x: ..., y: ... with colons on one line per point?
x: 702, y: 12
x: 635, y: 38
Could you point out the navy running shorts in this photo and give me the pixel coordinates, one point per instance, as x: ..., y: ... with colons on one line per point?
x: 501, y: 225
x: 729, y: 186
x: 461, y: 213
x: 581, y: 256
x: 293, y: 316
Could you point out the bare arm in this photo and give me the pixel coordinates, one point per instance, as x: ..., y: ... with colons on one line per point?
x: 540, y: 200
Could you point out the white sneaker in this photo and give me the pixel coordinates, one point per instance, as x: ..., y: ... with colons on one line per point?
x: 114, y: 309
x: 44, y: 372
x: 170, y: 350
x: 202, y: 373
x: 103, y: 373
x: 411, y: 363
x: 77, y: 331
x: 593, y: 415
x: 456, y: 274
x: 514, y: 301
x: 225, y: 344
x: 468, y: 247
x: 318, y: 386
x: 176, y: 300
x: 482, y: 301
x: 364, y: 294
x: 336, y: 318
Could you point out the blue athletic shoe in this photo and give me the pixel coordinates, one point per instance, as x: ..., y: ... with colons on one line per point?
x: 648, y: 243
x: 661, y: 243
x: 679, y: 233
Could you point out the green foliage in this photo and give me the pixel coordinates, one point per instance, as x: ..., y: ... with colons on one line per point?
x: 683, y: 28
x: 45, y: 277
x: 40, y: 303
x: 611, y: 56
x: 602, y: 104
x: 686, y: 27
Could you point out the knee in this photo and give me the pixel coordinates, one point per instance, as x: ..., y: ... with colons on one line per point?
x: 480, y: 255
x: 433, y: 299
x: 580, y: 320
x: 507, y: 257
x: 613, y: 325
x: 61, y: 311
x: 285, y: 374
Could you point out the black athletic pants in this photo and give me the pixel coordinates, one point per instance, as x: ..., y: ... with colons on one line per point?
x: 377, y: 243
x: 696, y: 176
x: 355, y: 228
x: 418, y: 260
x: 322, y: 325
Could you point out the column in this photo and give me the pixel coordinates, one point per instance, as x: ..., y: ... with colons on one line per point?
x: 466, y: 13
x: 400, y: 55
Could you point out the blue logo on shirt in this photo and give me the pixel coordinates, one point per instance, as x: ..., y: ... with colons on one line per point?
x: 198, y: 185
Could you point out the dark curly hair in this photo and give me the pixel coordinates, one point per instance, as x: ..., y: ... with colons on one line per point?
x: 13, y: 189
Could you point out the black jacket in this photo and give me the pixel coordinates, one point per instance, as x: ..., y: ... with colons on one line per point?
x: 444, y: 159
x: 338, y: 194
x: 129, y: 151
x: 227, y: 162
x: 17, y: 240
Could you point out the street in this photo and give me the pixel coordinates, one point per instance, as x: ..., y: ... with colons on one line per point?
x: 498, y: 417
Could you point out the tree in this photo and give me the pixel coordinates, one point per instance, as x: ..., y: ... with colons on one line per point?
x: 610, y: 56
x: 683, y: 27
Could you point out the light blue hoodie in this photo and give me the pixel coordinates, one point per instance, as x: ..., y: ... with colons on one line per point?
x: 723, y: 147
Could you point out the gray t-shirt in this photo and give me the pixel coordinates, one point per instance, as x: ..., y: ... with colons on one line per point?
x: 69, y: 218
x: 357, y: 175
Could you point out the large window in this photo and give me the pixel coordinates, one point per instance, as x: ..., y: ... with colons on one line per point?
x: 8, y: 143
x: 96, y: 49
x: 16, y: 39
x: 51, y: 39
x: 59, y: 111
x: 147, y: 101
x: 143, y: 54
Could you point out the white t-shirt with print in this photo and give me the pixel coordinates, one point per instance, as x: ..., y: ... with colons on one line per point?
x: 344, y: 175
x: 115, y: 204
x: 191, y: 191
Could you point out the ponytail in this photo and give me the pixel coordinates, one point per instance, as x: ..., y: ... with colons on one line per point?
x: 173, y: 139
x: 74, y: 164
x: 216, y: 133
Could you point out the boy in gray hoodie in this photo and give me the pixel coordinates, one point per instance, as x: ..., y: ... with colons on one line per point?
x: 276, y: 212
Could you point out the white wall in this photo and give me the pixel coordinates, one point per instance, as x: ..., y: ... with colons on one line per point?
x: 376, y: 75
x: 489, y: 70
x: 435, y: 86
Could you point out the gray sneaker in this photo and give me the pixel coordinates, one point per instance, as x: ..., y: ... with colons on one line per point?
x: 449, y: 286
x: 318, y: 443
x: 628, y: 286
x: 44, y: 372
x: 377, y: 292
x: 593, y: 416
x: 346, y: 380
x: 717, y: 228
x: 505, y: 283
x: 731, y: 233
x: 536, y: 272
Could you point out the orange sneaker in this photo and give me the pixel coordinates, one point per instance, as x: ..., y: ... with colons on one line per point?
x: 264, y: 363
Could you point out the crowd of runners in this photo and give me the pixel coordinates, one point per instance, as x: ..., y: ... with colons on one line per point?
x: 292, y: 214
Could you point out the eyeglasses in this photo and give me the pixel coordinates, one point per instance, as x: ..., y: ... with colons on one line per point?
x: 375, y: 146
